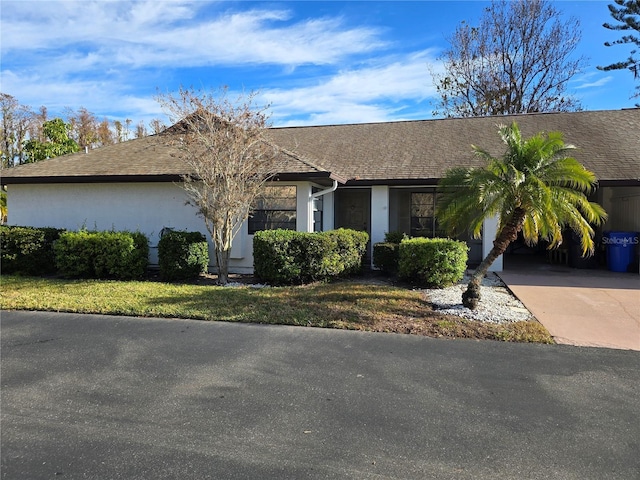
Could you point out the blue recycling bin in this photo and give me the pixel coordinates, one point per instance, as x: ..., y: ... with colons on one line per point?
x: 621, y: 249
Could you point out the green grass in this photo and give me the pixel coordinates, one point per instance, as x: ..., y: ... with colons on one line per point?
x: 347, y: 305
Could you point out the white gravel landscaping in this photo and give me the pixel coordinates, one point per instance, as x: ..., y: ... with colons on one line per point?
x: 497, y: 303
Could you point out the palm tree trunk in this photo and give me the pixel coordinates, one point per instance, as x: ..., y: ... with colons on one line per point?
x: 471, y: 297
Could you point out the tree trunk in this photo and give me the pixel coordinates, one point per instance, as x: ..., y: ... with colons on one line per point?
x: 222, y: 260
x: 223, y: 239
x: 471, y: 297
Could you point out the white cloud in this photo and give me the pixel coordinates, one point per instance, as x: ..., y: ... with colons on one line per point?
x: 110, y: 56
x: 598, y: 83
x: 100, y: 97
x: 376, y: 93
x: 143, y: 34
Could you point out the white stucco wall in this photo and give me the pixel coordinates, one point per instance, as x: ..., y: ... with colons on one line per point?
x: 489, y: 232
x: 144, y: 207
x: 304, y: 213
x: 379, y: 213
x: 147, y: 207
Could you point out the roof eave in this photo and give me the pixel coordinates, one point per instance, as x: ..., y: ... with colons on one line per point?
x: 90, y: 179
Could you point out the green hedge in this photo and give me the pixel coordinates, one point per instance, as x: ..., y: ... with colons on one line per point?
x: 395, y: 237
x: 87, y: 254
x: 432, y: 262
x: 285, y: 257
x: 386, y: 256
x: 182, y: 255
x: 28, y: 250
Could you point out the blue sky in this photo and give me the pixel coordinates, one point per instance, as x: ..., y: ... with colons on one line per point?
x: 314, y: 62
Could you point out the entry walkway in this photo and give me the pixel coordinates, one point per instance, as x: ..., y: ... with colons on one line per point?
x: 595, y: 308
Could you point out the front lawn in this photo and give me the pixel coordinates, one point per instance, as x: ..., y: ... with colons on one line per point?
x: 355, y: 305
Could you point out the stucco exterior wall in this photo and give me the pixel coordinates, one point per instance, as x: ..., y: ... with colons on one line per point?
x: 147, y: 207
x: 144, y: 207
x: 379, y: 214
x: 150, y: 207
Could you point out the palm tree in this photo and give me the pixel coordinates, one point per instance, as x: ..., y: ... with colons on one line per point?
x: 3, y: 206
x: 535, y: 188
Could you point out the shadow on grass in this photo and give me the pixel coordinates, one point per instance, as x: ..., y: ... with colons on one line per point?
x: 312, y: 305
x: 346, y: 305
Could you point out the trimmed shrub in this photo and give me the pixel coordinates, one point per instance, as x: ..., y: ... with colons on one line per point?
x: 28, y: 250
x: 385, y: 257
x: 182, y: 255
x: 351, y: 245
x: 395, y: 237
x: 87, y: 254
x: 386, y: 254
x: 286, y: 257
x: 432, y: 262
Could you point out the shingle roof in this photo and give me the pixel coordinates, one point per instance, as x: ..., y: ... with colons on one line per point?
x: 146, y: 159
x: 608, y: 143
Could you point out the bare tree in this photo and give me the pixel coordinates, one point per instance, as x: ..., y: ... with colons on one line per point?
x: 141, y: 129
x: 36, y: 131
x: 224, y: 145
x: 518, y: 60
x: 157, y: 126
x: 105, y: 135
x: 16, y: 121
x: 122, y: 130
x: 83, y: 126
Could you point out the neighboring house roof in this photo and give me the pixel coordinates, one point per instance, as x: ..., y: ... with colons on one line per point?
x: 375, y: 153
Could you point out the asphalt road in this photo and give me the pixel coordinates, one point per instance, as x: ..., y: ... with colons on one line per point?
x: 86, y: 396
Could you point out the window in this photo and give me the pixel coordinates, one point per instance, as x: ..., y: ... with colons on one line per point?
x: 423, y: 223
x: 412, y: 211
x: 317, y: 211
x: 275, y: 208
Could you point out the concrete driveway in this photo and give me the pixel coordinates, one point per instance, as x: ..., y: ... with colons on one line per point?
x: 594, y: 308
x: 94, y: 397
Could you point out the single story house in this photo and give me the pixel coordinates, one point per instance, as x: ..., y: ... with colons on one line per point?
x: 377, y: 177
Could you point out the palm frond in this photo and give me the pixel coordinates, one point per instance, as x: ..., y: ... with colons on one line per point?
x: 538, y: 176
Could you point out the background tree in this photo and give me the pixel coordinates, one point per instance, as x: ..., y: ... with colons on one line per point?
x: 224, y: 145
x: 15, y: 125
x: 57, y: 142
x: 83, y: 127
x: 627, y: 13
x: 517, y: 60
x: 36, y: 131
x: 535, y: 188
x: 122, y: 130
x: 157, y: 126
x: 104, y: 133
x: 141, y: 129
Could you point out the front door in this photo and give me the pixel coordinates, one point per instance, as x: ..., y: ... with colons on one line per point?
x: 353, y: 210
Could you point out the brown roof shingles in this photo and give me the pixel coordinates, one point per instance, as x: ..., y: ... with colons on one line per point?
x: 608, y: 143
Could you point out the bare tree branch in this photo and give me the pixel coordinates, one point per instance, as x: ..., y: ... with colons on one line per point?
x: 224, y: 145
x: 518, y: 60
